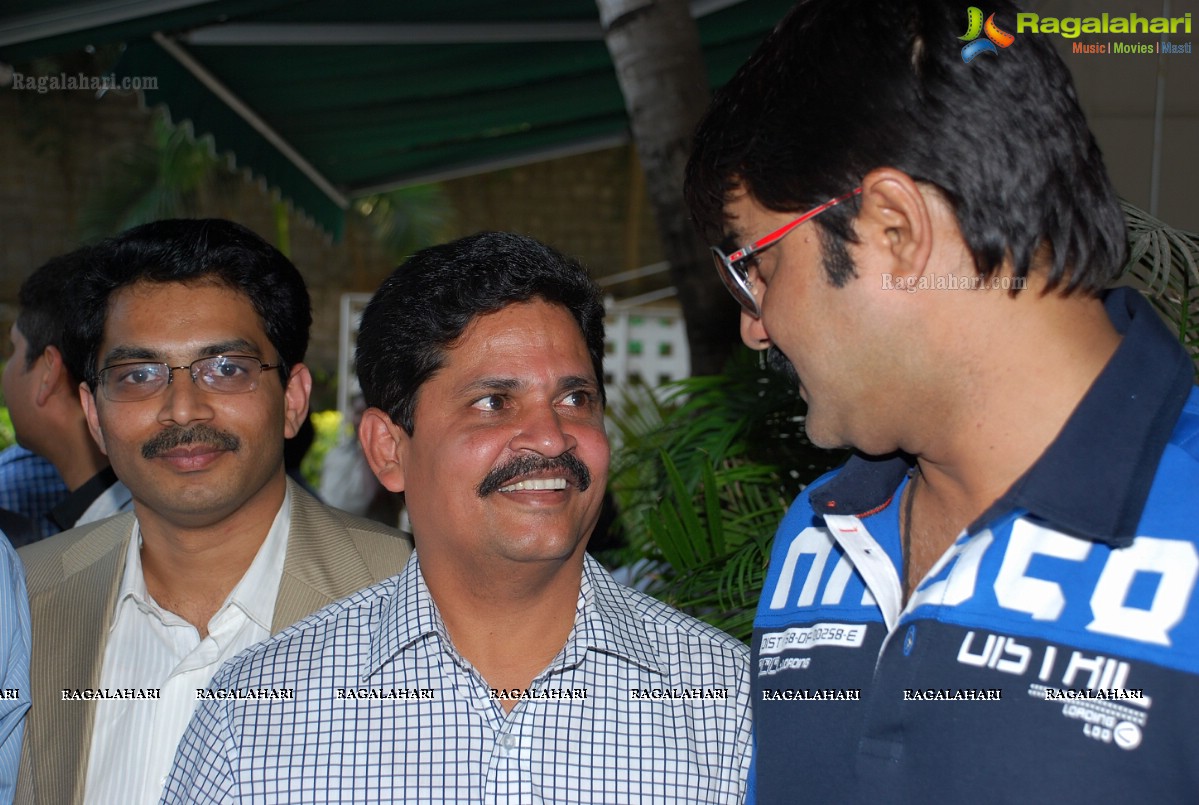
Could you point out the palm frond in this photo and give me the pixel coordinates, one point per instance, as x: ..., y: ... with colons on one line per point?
x: 1164, y: 264
x: 697, y: 483
x: 161, y: 177
x: 408, y: 219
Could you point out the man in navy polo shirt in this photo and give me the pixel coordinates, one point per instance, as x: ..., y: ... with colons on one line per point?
x: 995, y: 598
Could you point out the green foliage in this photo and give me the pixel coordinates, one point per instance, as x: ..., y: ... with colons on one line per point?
x: 163, y: 177
x: 8, y: 436
x: 328, y: 428
x: 408, y: 219
x: 172, y: 174
x: 705, y: 471
x: 1164, y: 263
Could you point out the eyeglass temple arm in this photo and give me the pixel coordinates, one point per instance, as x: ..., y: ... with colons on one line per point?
x: 766, y: 240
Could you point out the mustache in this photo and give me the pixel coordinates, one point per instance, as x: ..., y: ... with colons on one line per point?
x: 778, y: 362
x: 177, y: 436
x: 567, y: 464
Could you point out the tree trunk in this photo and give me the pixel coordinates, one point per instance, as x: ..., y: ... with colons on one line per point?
x: 655, y: 47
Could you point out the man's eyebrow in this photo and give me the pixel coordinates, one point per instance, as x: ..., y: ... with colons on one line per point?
x: 129, y: 352
x: 233, y: 345
x: 486, y: 384
x: 120, y: 354
x: 577, y: 382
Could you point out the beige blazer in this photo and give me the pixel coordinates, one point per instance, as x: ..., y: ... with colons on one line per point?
x: 73, y: 580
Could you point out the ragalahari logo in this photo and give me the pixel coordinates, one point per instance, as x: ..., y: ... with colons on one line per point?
x: 996, y: 37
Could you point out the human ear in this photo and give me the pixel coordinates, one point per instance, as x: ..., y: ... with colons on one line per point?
x: 895, y: 223
x: 52, y: 375
x: 385, y: 445
x: 295, y: 399
x: 88, y: 401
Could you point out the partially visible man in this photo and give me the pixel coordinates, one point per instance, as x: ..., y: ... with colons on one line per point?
x: 14, y: 666
x: 504, y: 664
x: 42, y: 395
x: 1002, y: 579
x: 29, y: 487
x: 190, y: 336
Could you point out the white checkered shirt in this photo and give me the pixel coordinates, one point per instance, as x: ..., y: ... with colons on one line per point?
x: 665, y: 718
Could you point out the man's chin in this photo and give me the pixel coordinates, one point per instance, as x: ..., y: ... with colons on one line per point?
x: 820, y: 434
x: 824, y: 441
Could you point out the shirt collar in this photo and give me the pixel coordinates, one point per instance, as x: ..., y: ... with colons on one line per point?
x: 254, y: 594
x: 609, y: 620
x: 72, y: 507
x: 1094, y: 478
x: 409, y: 616
x: 606, y: 620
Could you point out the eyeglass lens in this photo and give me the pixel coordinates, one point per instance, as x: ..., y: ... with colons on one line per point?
x: 222, y: 374
x: 736, y: 280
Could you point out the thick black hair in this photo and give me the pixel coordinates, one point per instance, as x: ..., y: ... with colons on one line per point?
x: 842, y: 87
x: 45, y: 305
x: 190, y: 251
x: 426, y: 304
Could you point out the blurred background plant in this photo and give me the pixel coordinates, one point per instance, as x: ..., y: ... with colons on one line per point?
x: 164, y: 176
x: 704, y: 470
x: 7, y: 437
x: 1164, y: 264
x: 410, y: 218
x: 328, y: 426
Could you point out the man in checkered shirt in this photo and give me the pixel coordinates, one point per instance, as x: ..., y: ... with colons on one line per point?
x: 503, y: 665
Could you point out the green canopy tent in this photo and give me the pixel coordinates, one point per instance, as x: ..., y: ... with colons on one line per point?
x: 333, y: 101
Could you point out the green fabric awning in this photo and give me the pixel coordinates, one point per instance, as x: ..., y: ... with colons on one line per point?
x: 331, y: 101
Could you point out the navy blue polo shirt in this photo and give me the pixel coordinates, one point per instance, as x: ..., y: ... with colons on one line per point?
x: 1051, y: 655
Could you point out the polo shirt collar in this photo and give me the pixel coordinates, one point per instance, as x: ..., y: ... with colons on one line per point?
x: 1094, y: 478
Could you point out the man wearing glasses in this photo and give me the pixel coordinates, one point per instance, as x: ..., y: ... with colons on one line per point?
x: 1000, y: 584
x: 190, y: 336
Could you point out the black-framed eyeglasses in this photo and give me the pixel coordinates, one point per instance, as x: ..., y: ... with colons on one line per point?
x: 734, y: 268
x: 219, y: 374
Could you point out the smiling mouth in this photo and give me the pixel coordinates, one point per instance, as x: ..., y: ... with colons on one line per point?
x: 535, y: 485
x: 534, y: 473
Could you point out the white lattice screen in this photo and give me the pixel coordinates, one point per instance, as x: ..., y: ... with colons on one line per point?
x: 643, y: 346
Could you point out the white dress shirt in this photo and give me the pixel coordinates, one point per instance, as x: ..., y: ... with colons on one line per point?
x: 150, y: 649
x: 113, y: 500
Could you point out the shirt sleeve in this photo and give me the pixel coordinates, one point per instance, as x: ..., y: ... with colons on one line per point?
x: 751, y: 793
x: 14, y: 665
x: 202, y: 773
